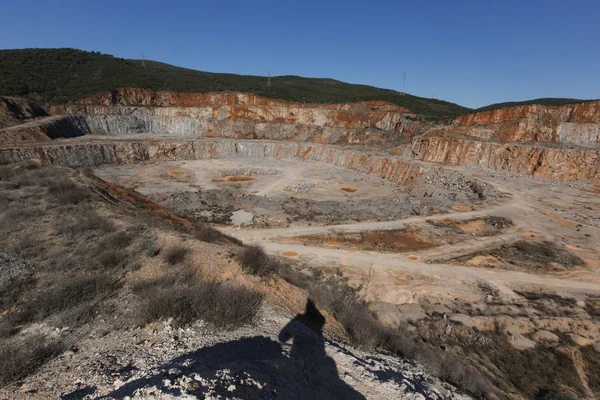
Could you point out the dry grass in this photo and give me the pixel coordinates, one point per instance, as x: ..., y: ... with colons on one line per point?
x: 176, y: 255
x: 366, y: 332
x: 256, y: 262
x: 184, y: 295
x: 66, y: 291
x: 208, y: 234
x: 66, y: 192
x: 22, y: 356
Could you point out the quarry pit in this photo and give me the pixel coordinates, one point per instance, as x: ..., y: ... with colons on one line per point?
x: 433, y: 226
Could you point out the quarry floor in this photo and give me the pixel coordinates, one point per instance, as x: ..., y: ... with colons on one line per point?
x: 449, y: 267
x: 441, y: 258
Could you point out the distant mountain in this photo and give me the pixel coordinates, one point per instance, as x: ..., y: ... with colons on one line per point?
x: 64, y: 75
x: 547, y: 101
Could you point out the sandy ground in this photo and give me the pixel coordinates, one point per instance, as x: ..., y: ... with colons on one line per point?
x: 272, y: 178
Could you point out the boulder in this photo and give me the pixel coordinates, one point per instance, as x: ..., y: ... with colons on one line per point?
x: 241, y: 218
x: 386, y: 313
x: 411, y: 312
x: 520, y: 342
x: 545, y: 337
x: 580, y: 340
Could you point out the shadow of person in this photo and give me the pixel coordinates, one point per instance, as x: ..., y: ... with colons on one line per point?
x: 228, y: 369
x: 311, y: 364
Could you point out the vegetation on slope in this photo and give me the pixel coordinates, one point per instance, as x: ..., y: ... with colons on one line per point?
x: 64, y: 75
x: 547, y: 101
x: 75, y: 250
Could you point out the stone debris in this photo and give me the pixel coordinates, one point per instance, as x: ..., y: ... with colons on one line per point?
x: 253, y: 362
x: 242, y: 218
x: 248, y: 172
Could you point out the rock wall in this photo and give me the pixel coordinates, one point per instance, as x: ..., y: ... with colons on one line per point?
x: 392, y: 168
x: 241, y: 115
x: 559, y: 143
x: 571, y: 124
x: 201, y: 122
x: 15, y: 111
x: 559, y: 164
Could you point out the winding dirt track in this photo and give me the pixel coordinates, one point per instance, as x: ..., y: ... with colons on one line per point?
x: 528, y: 207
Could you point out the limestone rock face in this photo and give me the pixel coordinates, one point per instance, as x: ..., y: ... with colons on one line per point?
x: 560, y: 164
x: 395, y: 169
x: 46, y: 129
x: 576, y: 124
x: 556, y: 143
x: 240, y: 115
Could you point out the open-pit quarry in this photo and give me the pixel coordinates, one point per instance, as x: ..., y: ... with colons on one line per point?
x: 485, y: 228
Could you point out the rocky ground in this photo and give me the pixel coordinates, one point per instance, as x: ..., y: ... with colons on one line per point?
x: 279, y: 357
x: 284, y: 192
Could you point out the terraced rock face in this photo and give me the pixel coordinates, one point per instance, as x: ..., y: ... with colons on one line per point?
x: 572, y: 124
x: 135, y: 151
x: 556, y: 143
x: 557, y: 164
x: 239, y: 115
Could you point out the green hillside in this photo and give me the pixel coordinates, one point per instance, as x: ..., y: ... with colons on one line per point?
x: 64, y: 75
x: 547, y: 101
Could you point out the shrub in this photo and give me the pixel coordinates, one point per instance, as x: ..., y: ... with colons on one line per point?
x: 81, y: 220
x: 176, y: 255
x: 22, y: 356
x: 67, y: 292
x: 88, y: 171
x: 207, y: 233
x: 366, y: 332
x: 66, y: 192
x: 118, y: 240
x: 110, y: 258
x: 183, y: 294
x: 256, y: 262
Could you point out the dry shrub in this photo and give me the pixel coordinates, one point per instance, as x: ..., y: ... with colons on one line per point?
x: 66, y: 192
x: 176, y: 255
x: 79, y: 220
x: 207, y: 233
x: 110, y: 258
x: 256, y: 262
x: 22, y: 356
x: 366, y: 332
x: 6, y: 172
x: 186, y: 296
x: 118, y: 240
x: 67, y: 292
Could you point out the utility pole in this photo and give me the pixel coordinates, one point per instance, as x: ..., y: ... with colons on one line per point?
x: 143, y: 60
x: 269, y: 79
x: 404, y: 81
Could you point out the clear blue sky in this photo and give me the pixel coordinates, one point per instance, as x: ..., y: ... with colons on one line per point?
x: 470, y: 52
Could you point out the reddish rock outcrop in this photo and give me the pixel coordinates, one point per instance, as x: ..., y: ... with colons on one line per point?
x: 242, y: 115
x: 558, y: 143
x: 558, y: 164
x: 573, y: 124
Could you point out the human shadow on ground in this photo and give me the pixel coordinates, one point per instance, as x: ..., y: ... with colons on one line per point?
x: 259, y: 367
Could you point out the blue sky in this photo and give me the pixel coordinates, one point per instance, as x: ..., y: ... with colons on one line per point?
x: 470, y: 52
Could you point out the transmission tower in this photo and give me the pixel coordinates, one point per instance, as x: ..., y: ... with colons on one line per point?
x: 404, y: 81
x: 143, y: 60
x: 269, y: 79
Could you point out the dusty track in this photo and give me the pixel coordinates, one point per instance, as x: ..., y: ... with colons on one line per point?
x: 537, y: 209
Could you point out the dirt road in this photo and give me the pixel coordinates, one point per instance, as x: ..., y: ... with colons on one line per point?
x: 560, y: 213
